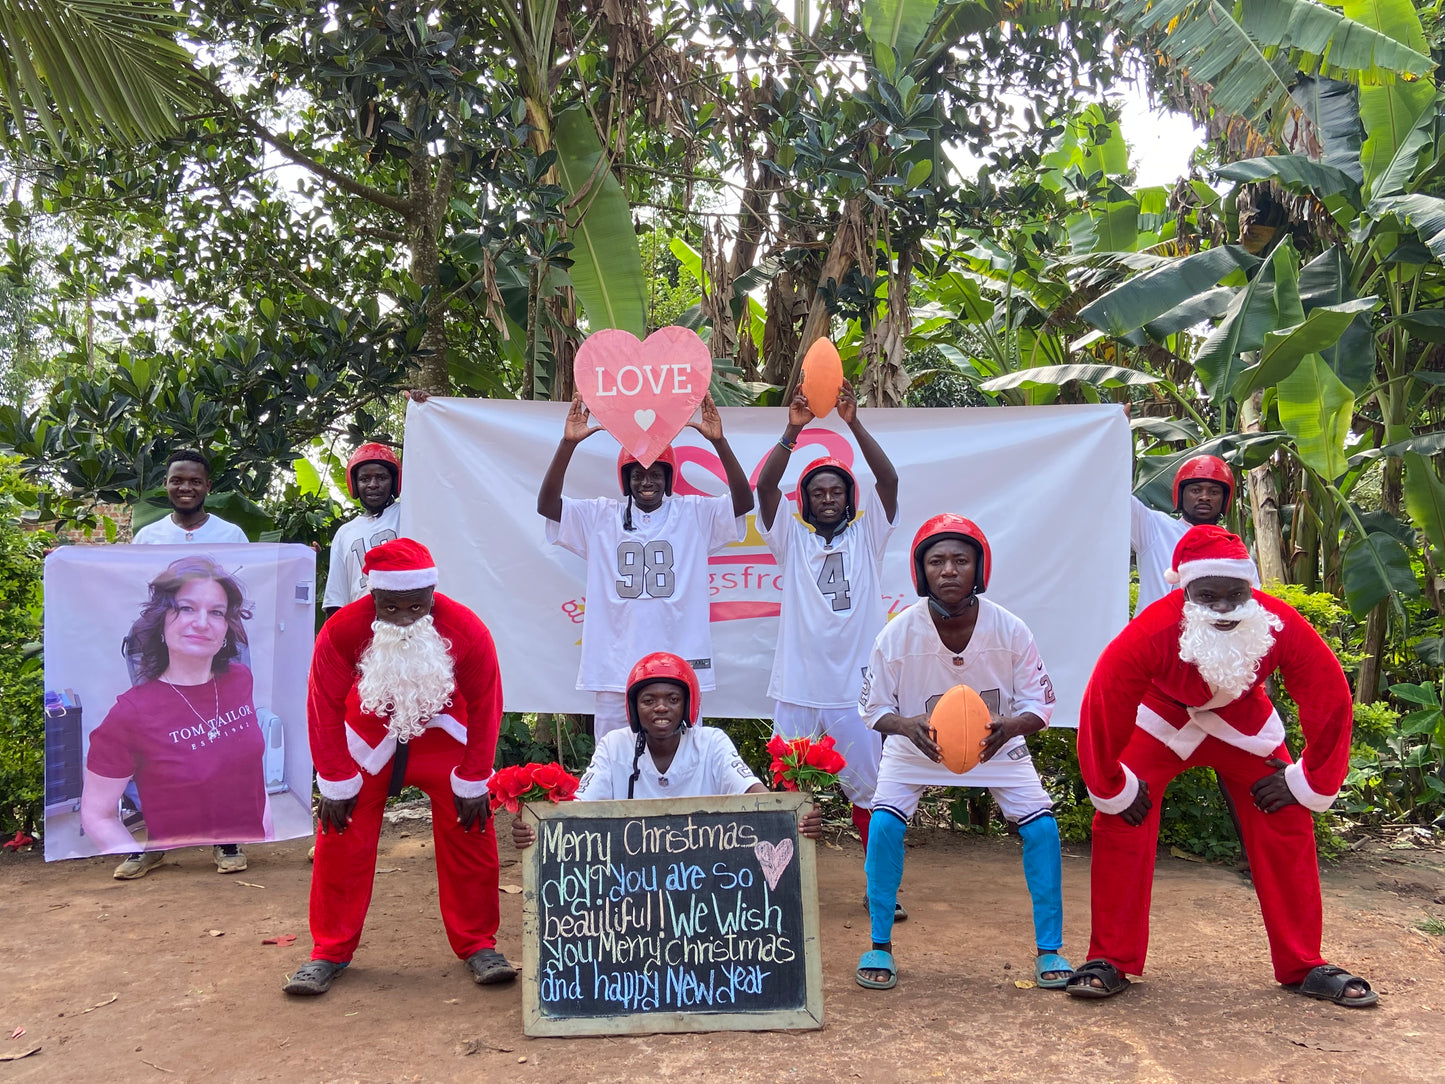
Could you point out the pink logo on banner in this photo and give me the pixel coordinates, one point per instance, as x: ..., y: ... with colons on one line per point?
x: 643, y: 393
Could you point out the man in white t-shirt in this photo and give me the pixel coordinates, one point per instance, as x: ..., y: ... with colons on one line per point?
x: 1203, y: 489
x: 953, y: 636
x: 647, y: 575
x: 373, y: 478
x: 188, y: 483
x: 830, y: 550
x: 664, y: 753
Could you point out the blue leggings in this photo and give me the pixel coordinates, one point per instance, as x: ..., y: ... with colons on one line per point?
x: 1043, y: 871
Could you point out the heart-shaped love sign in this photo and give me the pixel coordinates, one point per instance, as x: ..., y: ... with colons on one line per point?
x: 774, y: 858
x: 643, y: 393
x: 822, y: 377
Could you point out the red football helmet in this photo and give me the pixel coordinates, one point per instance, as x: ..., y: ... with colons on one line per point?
x: 373, y: 453
x: 662, y: 666
x: 837, y: 466
x: 949, y: 525
x: 626, y: 459
x: 1204, y: 468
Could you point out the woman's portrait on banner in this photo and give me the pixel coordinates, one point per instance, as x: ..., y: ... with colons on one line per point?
x: 176, y: 696
x: 186, y: 733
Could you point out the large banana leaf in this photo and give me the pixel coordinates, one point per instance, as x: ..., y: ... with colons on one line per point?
x: 1425, y: 498
x: 1315, y: 408
x: 1250, y: 66
x: 1423, y: 445
x: 1240, y: 450
x: 896, y: 25
x: 1325, y: 280
x: 1332, y: 106
x: 1149, y: 296
x: 1104, y: 376
x: 1390, y: 111
x: 1423, y: 214
x: 1196, y: 310
x: 607, y: 264
x: 98, y: 70
x: 1399, y: 173
x: 1298, y: 174
x: 1249, y: 318
x: 1286, y: 347
x: 1377, y: 567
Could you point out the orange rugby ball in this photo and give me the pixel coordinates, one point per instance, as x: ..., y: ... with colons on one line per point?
x: 822, y: 377
x: 960, y: 721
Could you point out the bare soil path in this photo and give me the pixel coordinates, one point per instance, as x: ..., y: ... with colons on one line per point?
x: 122, y: 981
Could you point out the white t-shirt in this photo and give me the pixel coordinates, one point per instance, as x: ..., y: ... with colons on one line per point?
x: 706, y: 763
x: 165, y: 532
x: 1153, y: 534
x: 345, y: 582
x: 832, y: 603
x: 910, y: 668
x: 647, y: 589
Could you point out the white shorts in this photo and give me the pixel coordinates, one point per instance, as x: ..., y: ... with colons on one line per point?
x: 1010, y: 777
x: 610, y: 714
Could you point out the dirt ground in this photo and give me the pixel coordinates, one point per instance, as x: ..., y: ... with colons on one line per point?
x: 121, y: 981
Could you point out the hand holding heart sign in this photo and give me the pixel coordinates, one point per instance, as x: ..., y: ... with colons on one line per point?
x: 643, y: 393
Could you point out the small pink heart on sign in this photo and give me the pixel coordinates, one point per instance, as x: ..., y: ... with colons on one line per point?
x: 774, y: 858
x: 643, y: 393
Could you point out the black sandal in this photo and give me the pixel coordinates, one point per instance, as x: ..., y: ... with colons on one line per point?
x: 1114, y: 981
x: 313, y: 978
x: 490, y: 968
x: 1329, y: 983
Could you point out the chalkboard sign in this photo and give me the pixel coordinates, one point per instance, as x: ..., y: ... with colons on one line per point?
x: 681, y: 914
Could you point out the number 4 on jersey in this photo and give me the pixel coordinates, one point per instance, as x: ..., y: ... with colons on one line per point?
x: 834, y: 584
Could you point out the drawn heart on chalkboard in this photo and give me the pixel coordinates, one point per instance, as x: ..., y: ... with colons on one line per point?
x: 774, y: 858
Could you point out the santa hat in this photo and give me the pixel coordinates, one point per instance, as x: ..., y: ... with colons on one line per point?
x: 1207, y: 550
x: 399, y: 565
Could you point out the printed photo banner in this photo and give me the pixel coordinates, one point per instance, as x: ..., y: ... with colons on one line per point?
x: 175, y: 703
x: 1049, y: 485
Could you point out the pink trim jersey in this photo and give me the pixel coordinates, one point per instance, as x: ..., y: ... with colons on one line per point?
x: 647, y: 589
x: 832, y: 603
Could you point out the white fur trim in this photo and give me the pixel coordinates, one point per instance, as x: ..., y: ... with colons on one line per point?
x: 339, y: 790
x: 468, y: 788
x: 1241, y: 568
x: 1180, y: 740
x: 1170, y: 576
x: 1121, y: 801
x: 407, y: 579
x: 1304, y: 794
x: 450, y: 725
x: 370, y: 759
x: 1269, y: 738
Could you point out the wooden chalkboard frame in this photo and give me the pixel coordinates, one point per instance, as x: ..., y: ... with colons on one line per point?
x: 534, y: 1022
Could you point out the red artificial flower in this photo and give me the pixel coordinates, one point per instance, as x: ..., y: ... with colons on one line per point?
x: 547, y: 776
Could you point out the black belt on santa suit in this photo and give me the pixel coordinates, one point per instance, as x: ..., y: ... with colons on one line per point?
x: 398, y: 769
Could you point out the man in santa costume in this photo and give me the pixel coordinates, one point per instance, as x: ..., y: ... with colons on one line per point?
x: 404, y: 691
x: 1183, y: 685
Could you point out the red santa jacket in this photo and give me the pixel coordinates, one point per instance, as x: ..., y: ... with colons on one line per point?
x: 1140, y: 680
x: 345, y: 741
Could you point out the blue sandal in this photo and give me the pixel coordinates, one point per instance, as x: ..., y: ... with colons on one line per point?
x: 1052, y: 961
x: 877, y: 960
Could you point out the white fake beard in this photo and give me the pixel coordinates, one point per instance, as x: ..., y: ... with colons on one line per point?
x: 407, y: 675
x: 1228, y: 659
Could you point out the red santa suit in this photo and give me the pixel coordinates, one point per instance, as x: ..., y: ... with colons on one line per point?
x: 353, y: 752
x: 1148, y: 715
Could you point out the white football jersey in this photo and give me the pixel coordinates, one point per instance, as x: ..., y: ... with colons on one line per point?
x: 166, y: 532
x: 832, y: 603
x: 647, y: 589
x: 910, y: 668
x: 345, y: 582
x: 706, y: 763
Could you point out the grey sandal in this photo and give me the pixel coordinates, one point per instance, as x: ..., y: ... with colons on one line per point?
x: 490, y: 968
x: 313, y: 978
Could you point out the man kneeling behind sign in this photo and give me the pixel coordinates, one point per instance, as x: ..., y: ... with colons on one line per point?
x: 663, y: 753
x: 404, y: 691
x: 1183, y: 685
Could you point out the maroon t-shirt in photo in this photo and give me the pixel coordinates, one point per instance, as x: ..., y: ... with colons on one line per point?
x: 198, y: 769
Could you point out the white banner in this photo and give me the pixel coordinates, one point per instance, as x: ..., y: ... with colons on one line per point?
x: 1048, y: 485
x: 175, y: 704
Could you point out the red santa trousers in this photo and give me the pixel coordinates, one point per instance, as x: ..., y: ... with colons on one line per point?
x: 345, y: 867
x: 1280, y: 846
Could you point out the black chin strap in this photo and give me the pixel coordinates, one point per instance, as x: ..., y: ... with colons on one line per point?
x: 942, y: 611
x: 636, y: 763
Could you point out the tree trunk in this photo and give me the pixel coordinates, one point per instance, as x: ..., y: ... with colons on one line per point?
x: 429, y: 200
x: 841, y: 256
x: 1367, y: 678
x: 1264, y: 505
